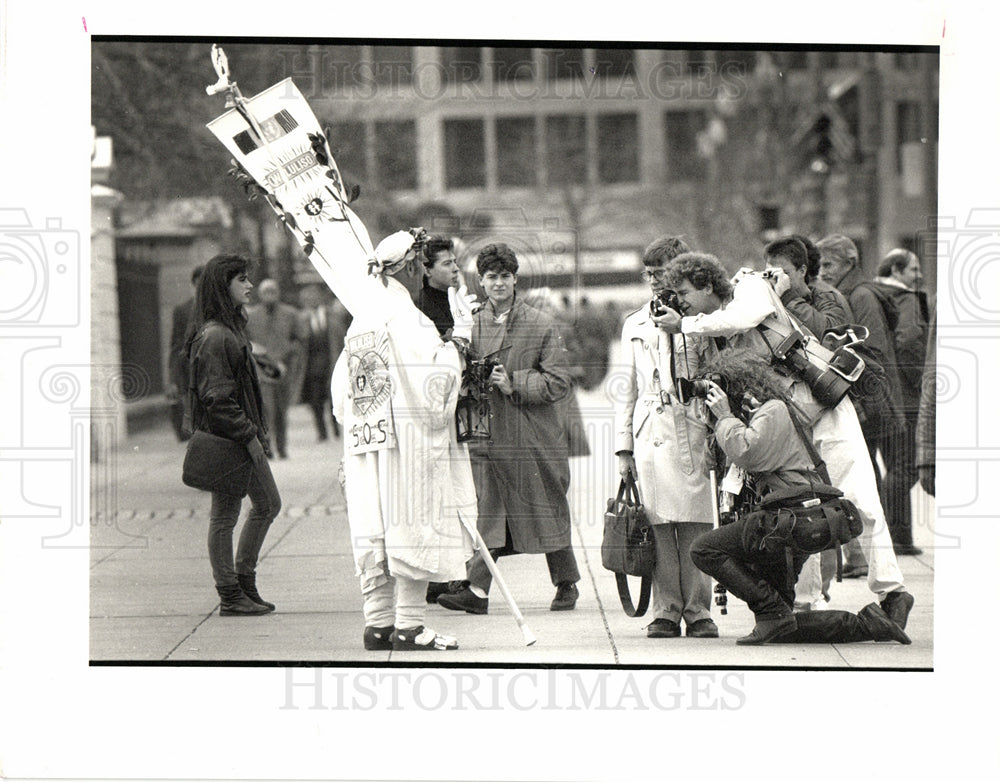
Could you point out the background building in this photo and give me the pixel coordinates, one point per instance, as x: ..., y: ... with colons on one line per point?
x: 576, y: 156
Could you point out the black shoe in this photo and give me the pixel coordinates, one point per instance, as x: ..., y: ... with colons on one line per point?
x: 897, y: 605
x: 420, y: 639
x: 880, y: 626
x: 855, y: 571
x: 663, y: 628
x: 766, y: 630
x: 248, y: 583
x: 907, y: 550
x: 437, y: 588
x: 234, y: 603
x: 378, y: 639
x: 566, y: 597
x: 464, y: 600
x: 703, y: 628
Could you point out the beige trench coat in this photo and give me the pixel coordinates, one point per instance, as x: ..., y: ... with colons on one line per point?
x: 668, y: 441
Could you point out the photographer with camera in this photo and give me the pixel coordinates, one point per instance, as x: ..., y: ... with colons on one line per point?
x: 712, y: 307
x: 760, y: 437
x: 661, y: 442
x: 522, y: 472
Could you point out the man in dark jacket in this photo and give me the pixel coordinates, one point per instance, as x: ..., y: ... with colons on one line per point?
x: 323, y: 326
x: 872, y: 308
x: 815, y: 304
x: 899, y: 282
x: 440, y: 273
x: 522, y: 472
x: 179, y: 360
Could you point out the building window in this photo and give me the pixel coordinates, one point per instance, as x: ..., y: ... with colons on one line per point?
x: 617, y: 148
x: 736, y: 61
x: 563, y: 63
x: 347, y: 142
x: 794, y: 61
x: 906, y: 61
x: 464, y: 153
x: 682, y: 129
x: 462, y: 64
x: 341, y: 66
x: 699, y: 62
x: 396, y: 154
x: 510, y: 63
x: 517, y: 165
x: 392, y: 65
x: 829, y: 60
x: 614, y: 62
x: 566, y: 149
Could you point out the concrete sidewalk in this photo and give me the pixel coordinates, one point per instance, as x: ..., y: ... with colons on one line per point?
x: 152, y: 598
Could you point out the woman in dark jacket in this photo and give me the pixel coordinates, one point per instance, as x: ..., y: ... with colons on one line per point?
x: 226, y: 402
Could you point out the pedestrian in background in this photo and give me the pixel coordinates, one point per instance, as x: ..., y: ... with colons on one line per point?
x: 276, y: 332
x: 225, y: 398
x: 178, y: 363
x: 323, y: 326
x: 899, y: 280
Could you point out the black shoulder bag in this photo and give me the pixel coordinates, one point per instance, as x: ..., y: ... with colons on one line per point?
x: 627, y: 548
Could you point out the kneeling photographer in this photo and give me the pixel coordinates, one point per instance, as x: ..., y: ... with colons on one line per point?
x: 753, y: 425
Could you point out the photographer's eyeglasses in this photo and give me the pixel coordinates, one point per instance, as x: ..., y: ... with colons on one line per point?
x: 653, y: 274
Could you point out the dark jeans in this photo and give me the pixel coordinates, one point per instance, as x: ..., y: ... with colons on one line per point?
x: 899, y: 452
x: 826, y: 627
x: 265, y: 504
x: 562, y: 565
x: 759, y: 579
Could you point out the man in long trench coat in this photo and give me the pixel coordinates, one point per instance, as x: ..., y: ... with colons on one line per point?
x: 522, y: 472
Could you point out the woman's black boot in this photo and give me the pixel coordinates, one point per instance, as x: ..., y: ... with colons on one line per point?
x: 235, y: 603
x: 248, y: 583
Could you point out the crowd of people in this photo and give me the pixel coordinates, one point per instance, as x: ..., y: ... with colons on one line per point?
x: 430, y: 512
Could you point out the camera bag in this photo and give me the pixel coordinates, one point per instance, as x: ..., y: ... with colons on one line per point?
x: 806, y: 519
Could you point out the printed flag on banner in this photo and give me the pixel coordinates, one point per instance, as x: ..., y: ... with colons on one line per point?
x: 284, y: 161
x: 275, y: 139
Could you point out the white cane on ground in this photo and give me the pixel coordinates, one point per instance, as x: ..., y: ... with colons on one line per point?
x: 529, y: 637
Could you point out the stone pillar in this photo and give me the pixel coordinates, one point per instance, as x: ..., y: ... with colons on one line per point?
x: 107, y: 409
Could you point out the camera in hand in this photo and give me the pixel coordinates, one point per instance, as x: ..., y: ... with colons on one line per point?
x: 663, y: 301
x: 477, y: 374
x: 697, y: 388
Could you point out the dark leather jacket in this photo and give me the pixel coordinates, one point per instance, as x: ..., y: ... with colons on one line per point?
x: 226, y: 398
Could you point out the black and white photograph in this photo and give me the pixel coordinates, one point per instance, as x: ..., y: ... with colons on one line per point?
x: 561, y: 375
x: 583, y: 196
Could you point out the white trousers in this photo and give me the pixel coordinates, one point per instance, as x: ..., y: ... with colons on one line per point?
x: 394, y: 601
x: 839, y: 442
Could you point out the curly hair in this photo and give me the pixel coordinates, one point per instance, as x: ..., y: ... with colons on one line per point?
x: 701, y: 270
x: 496, y: 258
x: 746, y: 373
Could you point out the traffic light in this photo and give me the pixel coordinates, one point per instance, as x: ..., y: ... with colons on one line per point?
x: 822, y: 144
